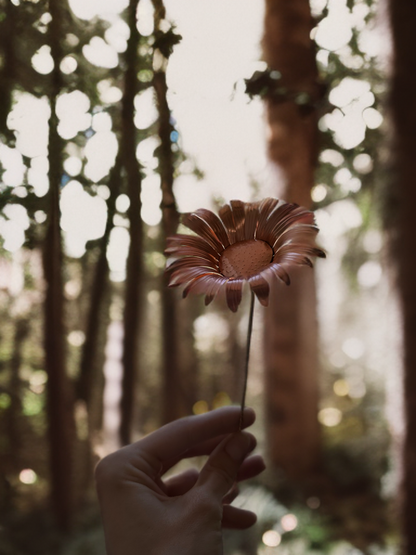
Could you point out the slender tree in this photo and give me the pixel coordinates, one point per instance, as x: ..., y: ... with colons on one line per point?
x: 99, y: 288
x: 60, y: 402
x: 402, y: 201
x: 132, y: 308
x: 290, y: 323
x: 171, y: 370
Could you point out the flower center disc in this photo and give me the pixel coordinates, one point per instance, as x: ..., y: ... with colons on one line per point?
x: 245, y: 258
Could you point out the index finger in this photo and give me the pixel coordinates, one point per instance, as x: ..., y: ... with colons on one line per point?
x: 174, y: 439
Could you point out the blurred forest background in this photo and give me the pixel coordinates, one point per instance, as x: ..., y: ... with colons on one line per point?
x: 102, y: 145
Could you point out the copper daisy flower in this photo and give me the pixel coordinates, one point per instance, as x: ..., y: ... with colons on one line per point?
x: 253, y: 242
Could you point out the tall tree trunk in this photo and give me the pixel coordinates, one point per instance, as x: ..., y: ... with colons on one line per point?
x: 60, y: 403
x: 290, y: 321
x: 403, y: 193
x: 172, y: 404
x: 132, y: 308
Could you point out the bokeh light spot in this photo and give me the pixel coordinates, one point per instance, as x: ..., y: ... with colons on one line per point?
x: 363, y: 163
x: 221, y: 399
x: 76, y: 338
x: 271, y: 538
x: 42, y: 60
x: 330, y: 417
x: 68, y: 65
x: 28, y: 476
x: 369, y: 274
x: 122, y: 203
x: 200, y: 407
x: 319, y: 192
x: 330, y: 156
x: 289, y: 522
x: 372, y: 118
x: 341, y: 388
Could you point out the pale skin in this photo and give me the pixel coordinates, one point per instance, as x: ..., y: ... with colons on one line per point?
x: 185, y: 514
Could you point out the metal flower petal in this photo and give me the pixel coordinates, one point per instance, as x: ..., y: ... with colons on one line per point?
x: 254, y: 242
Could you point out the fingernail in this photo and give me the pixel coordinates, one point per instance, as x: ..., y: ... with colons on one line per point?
x: 238, y: 446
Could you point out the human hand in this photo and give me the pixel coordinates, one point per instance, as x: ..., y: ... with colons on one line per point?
x: 185, y: 514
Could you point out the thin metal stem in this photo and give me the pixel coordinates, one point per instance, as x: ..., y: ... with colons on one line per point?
x: 250, y: 329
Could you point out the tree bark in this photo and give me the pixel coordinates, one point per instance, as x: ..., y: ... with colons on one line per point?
x: 134, y: 270
x: 402, y: 209
x: 60, y: 403
x: 172, y: 404
x: 290, y: 338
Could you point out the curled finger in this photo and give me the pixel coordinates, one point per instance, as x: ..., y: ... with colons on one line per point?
x: 181, y: 483
x: 251, y: 468
x: 237, y: 519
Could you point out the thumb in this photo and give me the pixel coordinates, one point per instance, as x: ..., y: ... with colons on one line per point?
x: 221, y: 469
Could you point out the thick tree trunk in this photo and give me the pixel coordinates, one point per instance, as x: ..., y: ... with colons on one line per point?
x: 403, y: 107
x: 132, y: 308
x: 293, y: 140
x: 290, y: 321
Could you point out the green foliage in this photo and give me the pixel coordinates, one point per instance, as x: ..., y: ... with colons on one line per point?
x: 5, y: 401
x: 270, y: 84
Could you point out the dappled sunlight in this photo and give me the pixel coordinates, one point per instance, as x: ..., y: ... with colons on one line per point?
x: 12, y: 162
x: 72, y: 110
x: 146, y: 112
x: 88, y: 9
x: 42, y: 61
x: 100, y: 152
x: 29, y: 118
x: 151, y: 197
x: 145, y: 18
x: 334, y: 31
x: 99, y: 53
x: 349, y: 122
x: 211, y: 333
x: 83, y: 218
x: 117, y: 252
x: 68, y: 65
x: 13, y: 228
